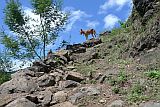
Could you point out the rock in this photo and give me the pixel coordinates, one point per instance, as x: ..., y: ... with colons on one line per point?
x: 46, y: 81
x: 75, y: 76
x: 63, y: 58
x: 53, y: 62
x: 32, y: 98
x: 19, y: 85
x: 142, y: 6
x: 64, y: 53
x: 149, y: 104
x: 45, y: 97
x: 60, y: 71
x: 41, y: 66
x: 52, y: 89
x: 21, y: 102
x: 58, y: 77
x: 102, y: 79
x: 39, y: 74
x: 70, y: 67
x: 98, y: 76
x: 106, y: 33
x: 117, y: 103
x: 64, y: 104
x: 148, y: 15
x: 94, y: 55
x: 7, y: 98
x: 90, y: 90
x: 73, y: 47
x: 68, y: 84
x: 76, y: 97
x: 70, y: 62
x: 59, y: 97
x: 80, y: 50
x: 23, y: 73
x: 102, y: 101
x: 84, y: 91
x: 92, y: 42
x: 37, y: 69
x: 76, y: 48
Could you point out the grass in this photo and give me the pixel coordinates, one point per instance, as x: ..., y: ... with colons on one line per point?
x: 136, y: 93
x: 4, y: 76
x: 116, y: 89
x: 86, y: 70
x: 117, y: 82
x: 154, y: 74
x: 120, y: 79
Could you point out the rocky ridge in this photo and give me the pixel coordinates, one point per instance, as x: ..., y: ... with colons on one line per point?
x: 80, y: 76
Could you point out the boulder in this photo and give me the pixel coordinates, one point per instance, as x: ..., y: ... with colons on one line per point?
x: 58, y: 76
x: 70, y: 67
x: 117, y: 103
x: 23, y: 73
x: 32, y: 98
x: 7, y: 98
x: 76, y: 97
x: 150, y: 104
x: 75, y: 76
x: 68, y: 84
x: 45, y: 97
x: 46, y: 81
x: 92, y: 42
x: 59, y: 97
x: 19, y: 85
x: 40, y: 66
x: 90, y: 90
x: 76, y: 48
x: 21, y: 102
x: 64, y: 53
x: 84, y: 91
x: 64, y: 104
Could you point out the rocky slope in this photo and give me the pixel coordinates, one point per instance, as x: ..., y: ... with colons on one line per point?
x: 122, y: 70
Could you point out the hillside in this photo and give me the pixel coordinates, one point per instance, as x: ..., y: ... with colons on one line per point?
x: 119, y: 69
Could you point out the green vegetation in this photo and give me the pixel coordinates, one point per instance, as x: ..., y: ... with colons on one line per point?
x: 85, y: 69
x: 116, y: 89
x: 5, y: 62
x: 155, y: 74
x: 30, y: 41
x: 119, y: 80
x: 136, y: 93
x: 4, y: 76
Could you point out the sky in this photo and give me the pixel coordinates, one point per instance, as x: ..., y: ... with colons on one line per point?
x: 100, y: 15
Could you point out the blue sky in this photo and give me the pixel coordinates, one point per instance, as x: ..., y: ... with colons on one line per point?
x: 98, y: 14
x: 85, y: 14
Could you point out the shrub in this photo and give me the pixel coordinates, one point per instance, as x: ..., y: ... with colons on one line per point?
x: 4, y: 76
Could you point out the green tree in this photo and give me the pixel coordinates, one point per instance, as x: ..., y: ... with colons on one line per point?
x: 31, y: 35
x: 5, y: 61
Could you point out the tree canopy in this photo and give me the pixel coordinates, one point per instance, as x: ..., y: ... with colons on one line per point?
x: 31, y: 35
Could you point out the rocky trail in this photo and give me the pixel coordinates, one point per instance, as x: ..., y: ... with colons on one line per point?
x: 121, y: 68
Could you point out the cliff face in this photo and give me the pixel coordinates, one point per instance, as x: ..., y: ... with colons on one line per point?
x: 143, y: 10
x: 145, y: 19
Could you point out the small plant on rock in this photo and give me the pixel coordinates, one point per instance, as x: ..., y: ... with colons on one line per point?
x: 153, y: 74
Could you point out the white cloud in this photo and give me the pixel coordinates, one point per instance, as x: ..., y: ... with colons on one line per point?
x: 21, y: 64
x: 35, y: 22
x: 110, y: 21
x: 92, y: 24
x: 118, y: 4
x: 75, y: 15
